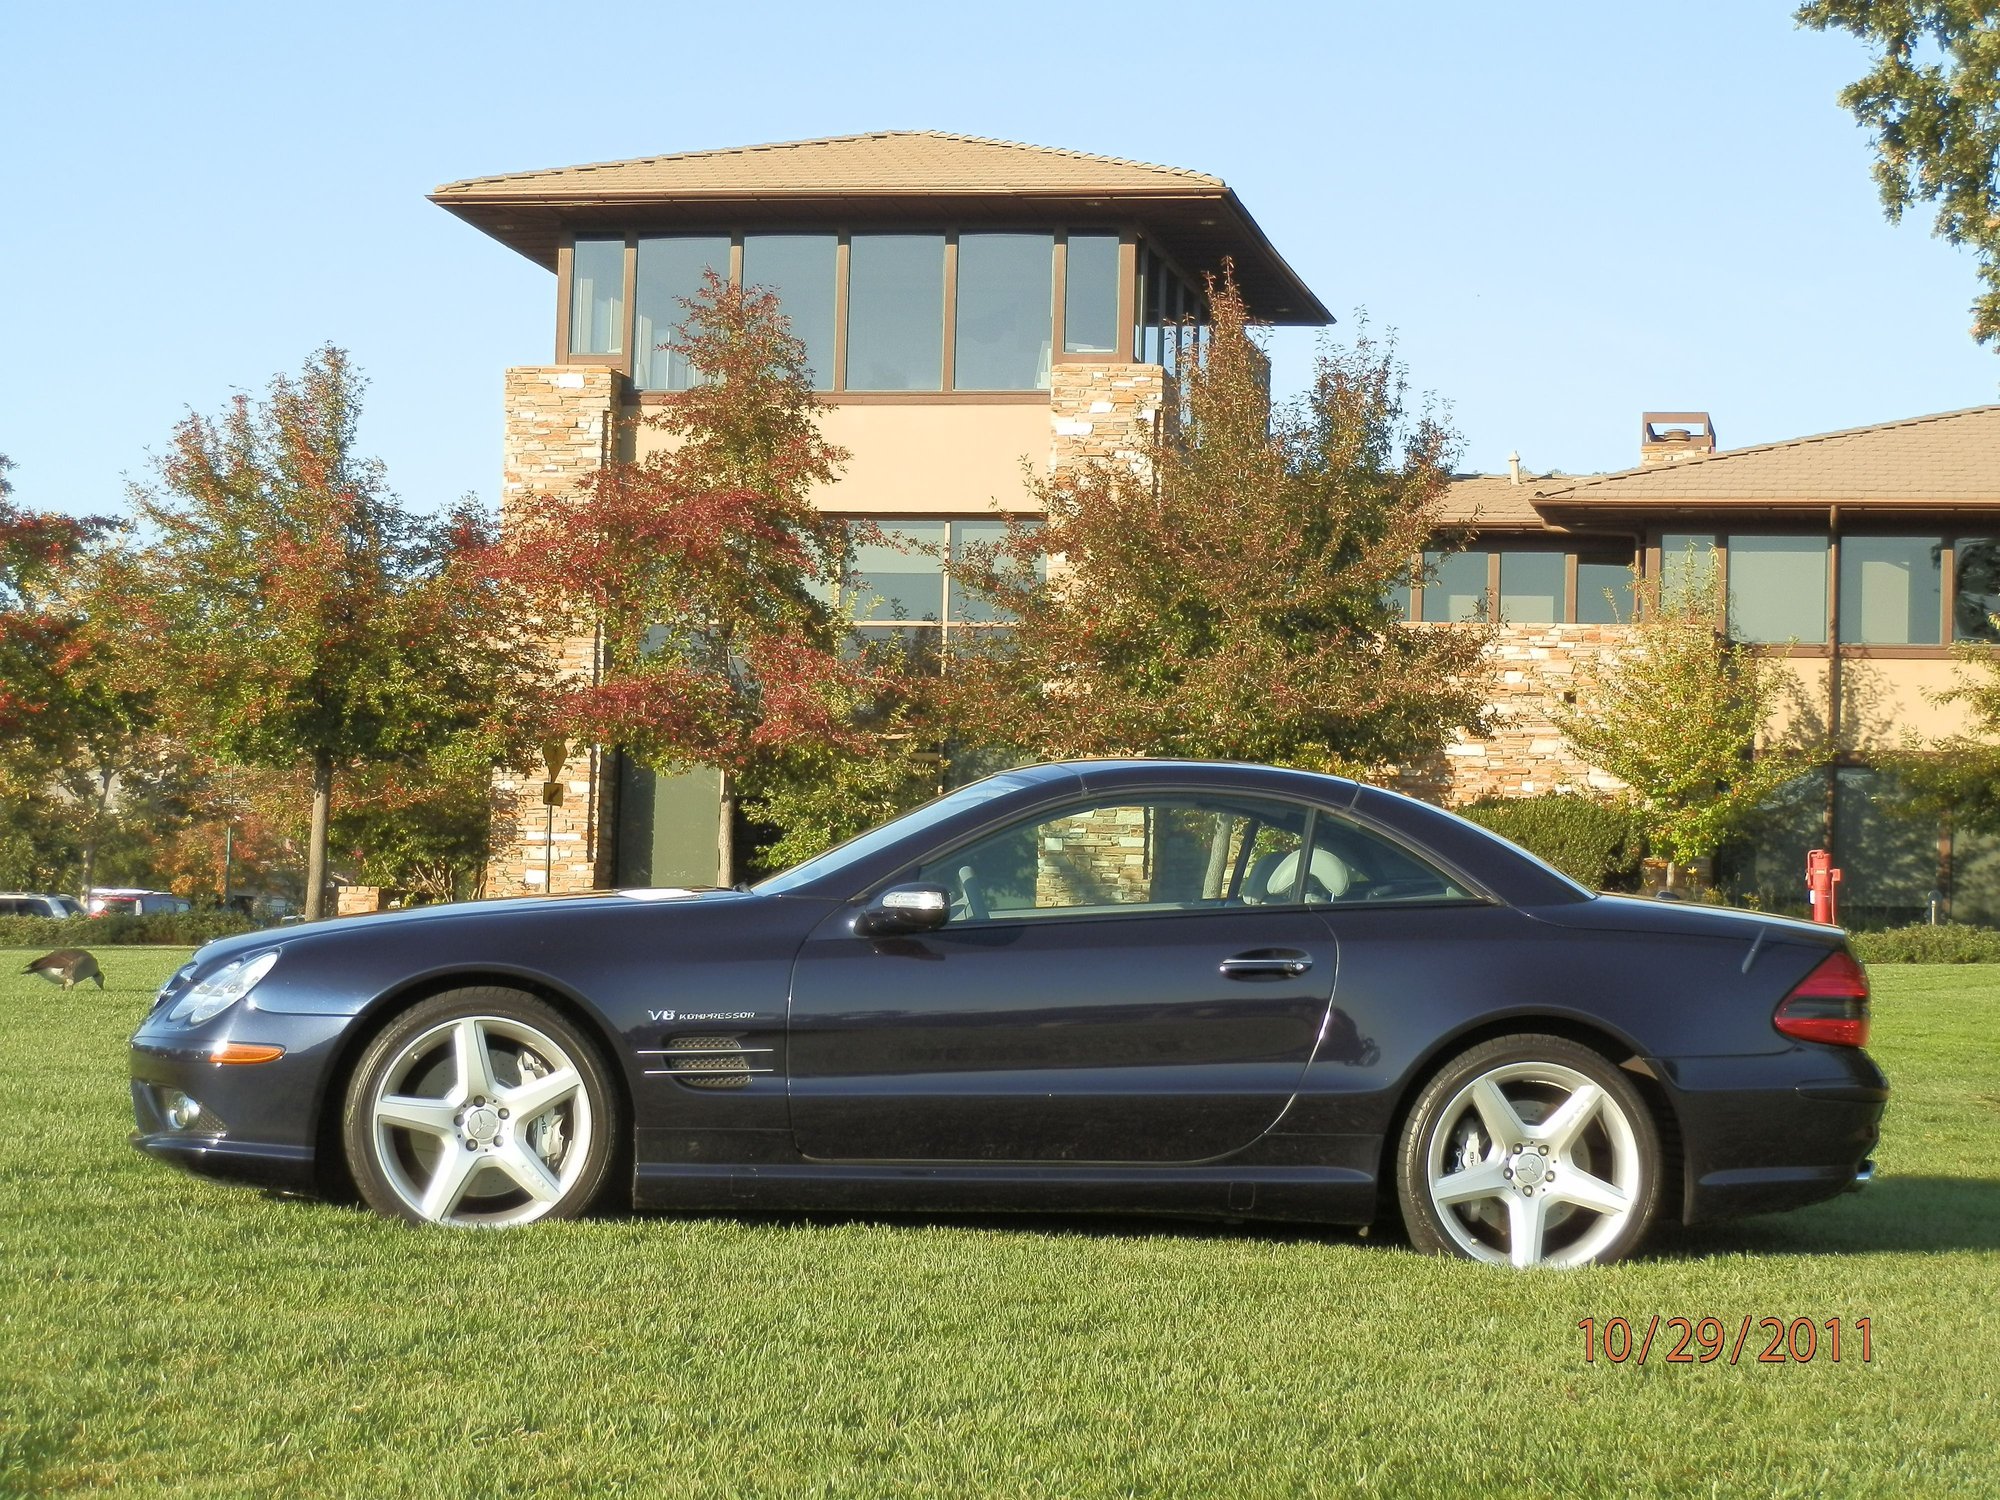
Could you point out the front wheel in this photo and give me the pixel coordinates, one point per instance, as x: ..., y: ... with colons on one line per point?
x: 480, y: 1108
x: 1530, y: 1151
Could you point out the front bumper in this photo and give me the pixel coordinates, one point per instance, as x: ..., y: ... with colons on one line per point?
x: 257, y: 1123
x: 1768, y: 1133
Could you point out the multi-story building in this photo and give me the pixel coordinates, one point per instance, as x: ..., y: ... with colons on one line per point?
x: 978, y: 311
x: 973, y: 311
x: 1861, y: 557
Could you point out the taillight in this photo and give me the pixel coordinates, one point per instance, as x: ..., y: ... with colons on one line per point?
x: 1828, y: 1005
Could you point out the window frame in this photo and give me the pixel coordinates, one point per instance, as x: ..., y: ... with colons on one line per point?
x: 1476, y: 892
x: 1132, y: 245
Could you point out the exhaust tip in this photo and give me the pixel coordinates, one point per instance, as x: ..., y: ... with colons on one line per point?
x: 1863, y: 1175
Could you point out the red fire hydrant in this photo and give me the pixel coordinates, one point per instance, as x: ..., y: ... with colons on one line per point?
x: 1822, y: 887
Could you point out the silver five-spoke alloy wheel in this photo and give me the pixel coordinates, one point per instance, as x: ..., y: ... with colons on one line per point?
x: 488, y: 1117
x: 1530, y: 1152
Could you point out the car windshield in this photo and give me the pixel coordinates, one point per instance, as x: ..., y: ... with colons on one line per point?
x: 881, y: 836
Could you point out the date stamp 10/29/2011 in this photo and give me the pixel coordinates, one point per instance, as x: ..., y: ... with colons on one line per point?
x: 1703, y: 1341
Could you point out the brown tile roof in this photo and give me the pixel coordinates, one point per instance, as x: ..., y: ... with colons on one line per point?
x: 1494, y: 500
x: 882, y: 161
x: 1950, y: 458
x: 891, y: 176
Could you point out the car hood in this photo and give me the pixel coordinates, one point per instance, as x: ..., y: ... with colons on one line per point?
x: 509, y: 909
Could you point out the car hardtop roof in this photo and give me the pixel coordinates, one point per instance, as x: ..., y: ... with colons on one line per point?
x: 1098, y: 772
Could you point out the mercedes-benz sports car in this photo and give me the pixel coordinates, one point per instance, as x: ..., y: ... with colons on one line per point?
x: 1132, y: 986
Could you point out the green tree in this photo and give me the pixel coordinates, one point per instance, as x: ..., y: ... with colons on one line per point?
x: 1957, y: 776
x: 1231, y: 596
x: 1679, y: 716
x: 1932, y: 101
x: 297, y: 614
x: 711, y: 579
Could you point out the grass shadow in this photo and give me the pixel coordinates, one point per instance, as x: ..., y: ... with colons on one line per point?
x: 1922, y: 1214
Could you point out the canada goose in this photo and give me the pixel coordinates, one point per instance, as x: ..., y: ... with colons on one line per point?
x: 67, y: 967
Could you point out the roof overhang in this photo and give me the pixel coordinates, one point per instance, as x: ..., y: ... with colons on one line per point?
x: 1196, y: 227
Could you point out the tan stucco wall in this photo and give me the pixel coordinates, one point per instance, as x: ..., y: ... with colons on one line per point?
x: 1886, y: 701
x: 930, y: 458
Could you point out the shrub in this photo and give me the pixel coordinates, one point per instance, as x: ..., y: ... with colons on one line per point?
x: 1945, y: 943
x: 1596, y: 843
x: 176, y: 928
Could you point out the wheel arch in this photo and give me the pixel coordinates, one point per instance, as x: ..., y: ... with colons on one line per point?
x: 1620, y: 1051
x: 329, y: 1156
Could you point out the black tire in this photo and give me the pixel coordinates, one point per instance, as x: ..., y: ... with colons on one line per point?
x: 1617, y: 1147
x: 417, y: 1059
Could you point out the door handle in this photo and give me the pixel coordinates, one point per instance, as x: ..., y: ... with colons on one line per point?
x: 1246, y: 965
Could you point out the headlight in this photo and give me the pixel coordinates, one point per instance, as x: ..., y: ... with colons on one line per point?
x: 222, y: 989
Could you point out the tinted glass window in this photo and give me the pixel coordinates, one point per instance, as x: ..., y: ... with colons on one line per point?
x: 1005, y: 312
x: 1171, y: 853
x: 1603, y: 590
x: 860, y: 847
x: 967, y: 539
x: 670, y: 269
x: 1976, y: 599
x: 597, y: 297
x: 800, y: 269
x: 1090, y: 294
x: 895, y: 312
x: 1352, y: 864
x: 901, y: 577
x: 1531, y: 587
x: 1891, y: 590
x: 1458, y: 589
x: 1687, y: 565
x: 1777, y: 589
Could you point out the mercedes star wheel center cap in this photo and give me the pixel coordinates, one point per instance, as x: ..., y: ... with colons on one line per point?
x: 482, y: 1125
x: 1529, y: 1167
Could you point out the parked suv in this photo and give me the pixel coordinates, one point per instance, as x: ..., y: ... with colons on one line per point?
x: 33, y: 904
x: 129, y: 901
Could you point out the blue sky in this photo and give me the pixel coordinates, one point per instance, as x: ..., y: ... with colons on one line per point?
x: 1570, y: 212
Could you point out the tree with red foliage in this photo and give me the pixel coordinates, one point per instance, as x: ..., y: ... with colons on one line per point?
x: 40, y: 643
x: 298, y: 615
x: 710, y: 577
x: 1231, y: 596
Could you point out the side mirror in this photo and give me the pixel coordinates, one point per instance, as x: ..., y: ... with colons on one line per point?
x: 904, y: 909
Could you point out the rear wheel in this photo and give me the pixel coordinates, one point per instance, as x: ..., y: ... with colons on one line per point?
x: 1530, y: 1151
x: 480, y: 1108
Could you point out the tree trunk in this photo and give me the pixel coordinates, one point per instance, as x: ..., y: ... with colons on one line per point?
x: 89, y: 871
x: 316, y: 843
x: 725, y: 835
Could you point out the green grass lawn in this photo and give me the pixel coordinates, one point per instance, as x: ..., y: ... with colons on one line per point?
x: 165, y: 1335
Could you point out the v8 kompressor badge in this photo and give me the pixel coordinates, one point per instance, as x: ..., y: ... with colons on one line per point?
x: 701, y: 1015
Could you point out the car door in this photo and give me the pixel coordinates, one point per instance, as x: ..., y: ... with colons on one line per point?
x: 1128, y: 978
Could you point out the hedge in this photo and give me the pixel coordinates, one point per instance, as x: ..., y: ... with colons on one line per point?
x: 174, y: 928
x: 1945, y: 943
x: 1595, y: 843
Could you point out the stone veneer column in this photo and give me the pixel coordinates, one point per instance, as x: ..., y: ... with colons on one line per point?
x: 1104, y: 412
x: 560, y: 428
x: 1523, y: 754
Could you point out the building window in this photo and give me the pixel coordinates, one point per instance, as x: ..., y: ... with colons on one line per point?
x: 1687, y: 567
x: 1975, y: 596
x: 801, y: 269
x: 1531, y: 587
x: 1090, y: 294
x: 1889, y: 863
x: 1005, y: 321
x: 1777, y: 589
x: 669, y: 271
x: 898, y: 591
x: 1891, y: 591
x: 1457, y: 590
x: 597, y: 297
x: 1603, y: 590
x: 895, y: 312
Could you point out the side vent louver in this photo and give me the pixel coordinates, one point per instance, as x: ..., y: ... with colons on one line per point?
x: 708, y: 1062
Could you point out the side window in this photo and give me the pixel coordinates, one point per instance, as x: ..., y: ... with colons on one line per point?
x: 1350, y: 864
x: 1167, y: 853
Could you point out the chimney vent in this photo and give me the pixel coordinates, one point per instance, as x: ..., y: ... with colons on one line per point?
x: 1514, y: 466
x: 1667, y: 437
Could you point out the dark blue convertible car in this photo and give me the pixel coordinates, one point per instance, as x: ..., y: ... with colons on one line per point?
x: 1132, y: 986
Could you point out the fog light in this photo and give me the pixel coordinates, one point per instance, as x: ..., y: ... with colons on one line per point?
x: 181, y: 1112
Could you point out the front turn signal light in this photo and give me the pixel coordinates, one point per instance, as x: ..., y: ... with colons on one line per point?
x: 245, y: 1052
